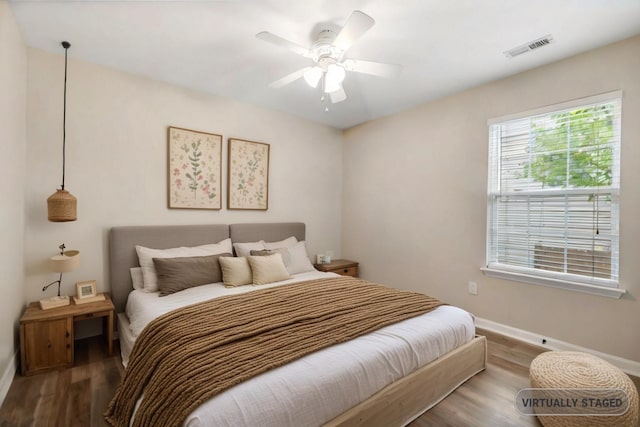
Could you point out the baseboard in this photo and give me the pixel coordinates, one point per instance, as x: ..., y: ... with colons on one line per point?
x: 7, y: 377
x: 629, y: 366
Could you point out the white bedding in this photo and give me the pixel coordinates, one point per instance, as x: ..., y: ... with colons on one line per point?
x: 316, y: 388
x: 143, y: 307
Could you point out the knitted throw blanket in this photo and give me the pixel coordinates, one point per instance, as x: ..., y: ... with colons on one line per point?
x: 187, y: 356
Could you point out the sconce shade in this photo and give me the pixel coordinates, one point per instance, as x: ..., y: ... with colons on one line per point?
x: 62, y: 206
x: 65, y: 263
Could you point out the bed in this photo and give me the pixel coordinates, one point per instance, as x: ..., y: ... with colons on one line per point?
x: 385, y: 389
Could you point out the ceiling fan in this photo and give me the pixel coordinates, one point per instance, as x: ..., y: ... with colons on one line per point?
x: 328, y: 54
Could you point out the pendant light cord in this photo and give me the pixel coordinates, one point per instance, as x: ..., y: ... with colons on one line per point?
x: 64, y: 112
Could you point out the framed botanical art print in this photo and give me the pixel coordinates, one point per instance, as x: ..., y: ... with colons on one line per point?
x: 248, y: 175
x: 195, y: 169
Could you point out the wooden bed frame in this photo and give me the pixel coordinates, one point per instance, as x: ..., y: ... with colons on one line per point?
x: 395, y: 405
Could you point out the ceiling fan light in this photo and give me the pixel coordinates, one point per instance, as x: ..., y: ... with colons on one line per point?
x: 333, y: 78
x: 313, y: 76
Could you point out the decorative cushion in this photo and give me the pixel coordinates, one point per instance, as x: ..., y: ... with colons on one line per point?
x: 235, y: 271
x: 177, y: 274
x: 268, y: 269
x: 284, y: 252
x: 146, y: 255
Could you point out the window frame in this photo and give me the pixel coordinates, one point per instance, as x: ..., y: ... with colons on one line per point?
x: 574, y: 282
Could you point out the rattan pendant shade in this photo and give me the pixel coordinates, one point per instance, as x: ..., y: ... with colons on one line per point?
x: 62, y: 205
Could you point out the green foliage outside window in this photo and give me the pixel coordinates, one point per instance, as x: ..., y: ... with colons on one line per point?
x: 574, y: 149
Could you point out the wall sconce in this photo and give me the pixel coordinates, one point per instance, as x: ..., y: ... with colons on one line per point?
x: 62, y: 205
x: 63, y: 263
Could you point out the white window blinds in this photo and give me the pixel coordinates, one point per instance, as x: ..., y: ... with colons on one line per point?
x: 554, y: 191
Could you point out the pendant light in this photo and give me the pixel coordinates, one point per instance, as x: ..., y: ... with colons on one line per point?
x: 62, y: 205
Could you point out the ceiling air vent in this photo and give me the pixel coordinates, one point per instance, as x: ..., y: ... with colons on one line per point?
x: 527, y: 47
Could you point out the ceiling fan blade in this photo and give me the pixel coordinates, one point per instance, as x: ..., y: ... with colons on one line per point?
x: 357, y: 24
x: 279, y: 41
x: 289, y: 78
x: 381, y: 69
x: 338, y: 95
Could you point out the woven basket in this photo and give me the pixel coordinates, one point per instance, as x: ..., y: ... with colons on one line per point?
x: 62, y: 206
x: 569, y: 369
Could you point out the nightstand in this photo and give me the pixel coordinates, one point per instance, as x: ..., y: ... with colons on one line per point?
x: 343, y: 267
x: 46, y: 336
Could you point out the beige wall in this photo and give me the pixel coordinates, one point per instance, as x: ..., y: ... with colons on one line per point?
x: 13, y: 70
x: 117, y: 162
x: 414, y: 206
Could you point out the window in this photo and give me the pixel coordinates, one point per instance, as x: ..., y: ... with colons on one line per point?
x: 553, y: 196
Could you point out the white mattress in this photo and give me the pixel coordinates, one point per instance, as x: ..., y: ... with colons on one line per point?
x: 316, y: 388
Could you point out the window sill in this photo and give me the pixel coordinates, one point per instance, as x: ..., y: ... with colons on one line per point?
x: 604, y: 291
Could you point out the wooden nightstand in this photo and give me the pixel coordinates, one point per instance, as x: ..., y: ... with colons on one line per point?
x: 343, y: 267
x: 46, y: 336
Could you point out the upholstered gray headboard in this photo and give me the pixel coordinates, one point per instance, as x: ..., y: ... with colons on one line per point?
x: 122, y: 242
x: 123, y: 256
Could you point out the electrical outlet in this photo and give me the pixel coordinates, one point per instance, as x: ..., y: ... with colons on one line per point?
x: 473, y: 288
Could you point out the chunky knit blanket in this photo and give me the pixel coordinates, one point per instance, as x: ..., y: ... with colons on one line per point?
x: 187, y: 356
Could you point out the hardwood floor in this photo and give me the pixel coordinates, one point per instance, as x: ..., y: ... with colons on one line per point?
x: 487, y: 399
x: 78, y: 396
x: 66, y: 398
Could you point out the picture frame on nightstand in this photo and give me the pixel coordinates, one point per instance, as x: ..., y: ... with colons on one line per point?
x: 86, y: 289
x: 86, y: 292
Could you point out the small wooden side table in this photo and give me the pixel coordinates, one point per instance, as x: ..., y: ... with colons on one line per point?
x: 46, y: 336
x: 344, y: 267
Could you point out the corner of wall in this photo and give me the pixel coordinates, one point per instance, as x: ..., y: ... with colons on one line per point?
x: 13, y: 83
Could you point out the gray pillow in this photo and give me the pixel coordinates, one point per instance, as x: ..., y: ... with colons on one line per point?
x: 284, y: 252
x: 177, y: 274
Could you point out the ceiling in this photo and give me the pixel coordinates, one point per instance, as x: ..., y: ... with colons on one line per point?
x: 444, y: 46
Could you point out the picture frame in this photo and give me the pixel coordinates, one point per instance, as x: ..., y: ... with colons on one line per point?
x: 86, y: 289
x: 194, y: 169
x: 248, y: 175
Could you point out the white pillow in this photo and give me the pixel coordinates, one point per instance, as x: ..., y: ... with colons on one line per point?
x: 298, y: 259
x: 244, y: 249
x: 146, y: 255
x: 268, y: 269
x: 136, y: 278
x: 235, y: 271
x: 286, y: 243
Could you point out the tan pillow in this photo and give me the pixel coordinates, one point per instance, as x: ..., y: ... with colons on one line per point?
x: 235, y: 271
x: 177, y: 274
x: 268, y: 269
